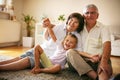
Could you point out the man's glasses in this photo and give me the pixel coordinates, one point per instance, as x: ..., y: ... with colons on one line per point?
x: 90, y: 13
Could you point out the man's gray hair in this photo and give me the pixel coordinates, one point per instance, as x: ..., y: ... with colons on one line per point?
x: 90, y: 6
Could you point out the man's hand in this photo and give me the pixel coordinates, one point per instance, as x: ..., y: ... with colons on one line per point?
x: 105, y: 67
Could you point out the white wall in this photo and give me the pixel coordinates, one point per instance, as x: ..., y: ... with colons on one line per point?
x: 108, y: 9
x: 18, y: 8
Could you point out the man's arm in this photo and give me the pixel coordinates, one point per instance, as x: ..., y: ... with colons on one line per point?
x: 106, y: 52
x: 104, y: 66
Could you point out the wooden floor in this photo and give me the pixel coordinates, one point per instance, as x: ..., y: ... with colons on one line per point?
x: 13, y: 51
x: 16, y: 51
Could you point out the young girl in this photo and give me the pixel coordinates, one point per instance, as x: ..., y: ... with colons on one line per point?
x: 50, y: 65
x: 58, y: 60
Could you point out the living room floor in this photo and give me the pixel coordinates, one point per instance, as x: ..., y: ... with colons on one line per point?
x: 15, y: 51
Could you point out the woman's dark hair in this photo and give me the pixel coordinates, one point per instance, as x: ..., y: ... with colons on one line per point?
x: 80, y: 19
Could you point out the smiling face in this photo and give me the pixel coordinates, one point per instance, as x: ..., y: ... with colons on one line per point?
x: 73, y: 24
x: 91, y: 14
x: 70, y: 42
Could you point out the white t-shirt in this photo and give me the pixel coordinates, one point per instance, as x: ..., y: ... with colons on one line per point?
x: 59, y: 57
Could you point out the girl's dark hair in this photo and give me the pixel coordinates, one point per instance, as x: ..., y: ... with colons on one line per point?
x: 80, y: 19
x: 74, y: 36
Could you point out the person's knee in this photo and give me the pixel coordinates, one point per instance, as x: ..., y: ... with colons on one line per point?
x: 71, y: 52
x: 36, y: 47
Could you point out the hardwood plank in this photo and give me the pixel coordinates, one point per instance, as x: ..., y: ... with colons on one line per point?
x: 13, y: 50
x: 115, y: 64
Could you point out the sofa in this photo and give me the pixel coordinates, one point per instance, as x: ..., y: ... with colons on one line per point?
x: 115, y: 40
x: 115, y: 44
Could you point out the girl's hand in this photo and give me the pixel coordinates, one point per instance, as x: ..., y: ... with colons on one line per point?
x: 35, y: 70
x: 95, y: 58
x: 46, y: 22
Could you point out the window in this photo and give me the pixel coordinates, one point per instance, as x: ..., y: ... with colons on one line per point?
x: 5, y: 5
x: 2, y: 2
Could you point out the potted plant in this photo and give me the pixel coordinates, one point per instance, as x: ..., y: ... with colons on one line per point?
x: 61, y: 18
x: 29, y: 21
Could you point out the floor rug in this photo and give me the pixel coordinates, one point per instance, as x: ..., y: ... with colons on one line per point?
x: 66, y: 74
